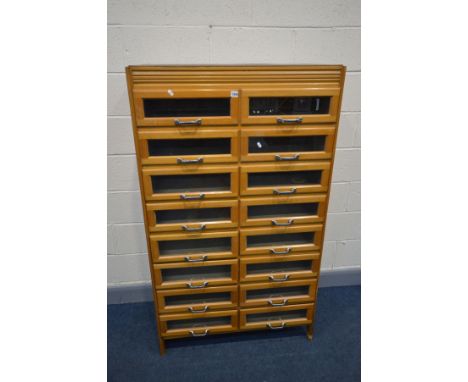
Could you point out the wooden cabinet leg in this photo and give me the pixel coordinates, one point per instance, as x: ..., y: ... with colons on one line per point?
x: 310, y: 332
x: 162, y: 347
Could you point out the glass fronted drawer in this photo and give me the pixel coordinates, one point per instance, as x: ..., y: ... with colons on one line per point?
x: 175, y: 146
x: 276, y: 318
x: 284, y: 178
x: 197, y: 300
x: 279, y: 268
x: 282, y: 211
x: 289, y: 105
x: 185, y: 108
x: 278, y: 294
x: 193, y: 247
x: 190, y: 182
x: 192, y: 216
x: 195, y: 275
x: 280, y: 240
x: 198, y: 325
x: 286, y: 143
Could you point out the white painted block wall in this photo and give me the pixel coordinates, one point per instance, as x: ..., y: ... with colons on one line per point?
x: 229, y: 32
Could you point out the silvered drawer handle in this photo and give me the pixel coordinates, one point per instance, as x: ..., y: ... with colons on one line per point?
x: 289, y: 222
x: 202, y: 285
x: 190, y: 260
x: 276, y: 327
x: 279, y: 192
x: 273, y: 278
x: 278, y: 252
x: 189, y: 161
x: 198, y: 334
x: 195, y: 122
x: 191, y: 229
x: 185, y: 197
x: 293, y: 157
x: 290, y: 120
x: 285, y: 301
x: 198, y: 311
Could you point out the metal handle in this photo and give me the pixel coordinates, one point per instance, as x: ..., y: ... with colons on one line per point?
x: 198, y: 334
x: 283, y: 324
x: 189, y: 161
x: 279, y: 192
x: 191, y: 229
x: 190, y: 260
x: 285, y: 301
x: 290, y: 120
x: 202, y: 285
x: 195, y: 122
x: 185, y: 197
x: 273, y: 278
x: 294, y: 157
x: 288, y: 223
x: 278, y: 252
x: 198, y: 311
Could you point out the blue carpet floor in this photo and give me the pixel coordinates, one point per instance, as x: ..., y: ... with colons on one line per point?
x: 287, y: 355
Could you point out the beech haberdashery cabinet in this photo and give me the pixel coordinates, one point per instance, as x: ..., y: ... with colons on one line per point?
x: 235, y: 165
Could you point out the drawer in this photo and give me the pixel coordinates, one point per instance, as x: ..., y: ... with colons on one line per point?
x: 198, y: 325
x: 193, y: 247
x: 280, y: 240
x: 273, y: 294
x: 197, y: 300
x: 192, y: 216
x: 178, y: 146
x: 282, y: 211
x: 284, y: 178
x: 289, y: 105
x: 191, y: 182
x: 276, y: 318
x: 195, y: 275
x: 279, y: 268
x: 160, y: 106
x: 287, y: 143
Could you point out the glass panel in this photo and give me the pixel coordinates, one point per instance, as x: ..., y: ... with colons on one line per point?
x: 186, y: 107
x: 283, y: 267
x: 183, y: 247
x: 277, y: 316
x: 284, y: 178
x: 190, y: 183
x: 278, y: 292
x: 198, y: 322
x: 286, y: 144
x: 193, y: 215
x: 280, y: 210
x: 289, y: 105
x: 167, y: 147
x: 196, y: 299
x: 280, y: 239
x: 196, y: 273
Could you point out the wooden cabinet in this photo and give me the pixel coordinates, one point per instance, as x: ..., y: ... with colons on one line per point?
x: 235, y: 166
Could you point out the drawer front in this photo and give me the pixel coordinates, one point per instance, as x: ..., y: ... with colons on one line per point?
x: 193, y: 247
x: 274, y: 294
x: 192, y: 216
x: 190, y: 182
x: 198, y: 324
x: 284, y: 178
x: 280, y: 240
x: 197, y: 301
x: 276, y: 318
x: 182, y: 147
x: 294, y: 106
x: 282, y: 211
x: 287, y: 143
x: 196, y: 275
x: 161, y: 106
x: 279, y: 268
